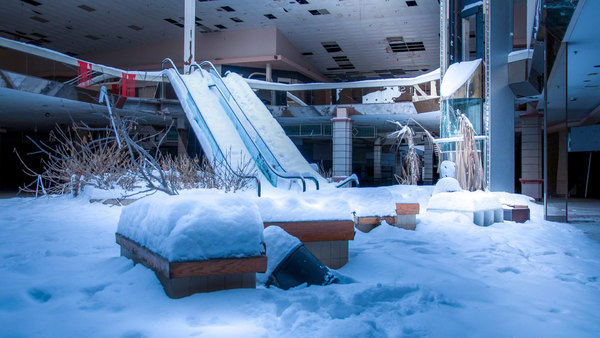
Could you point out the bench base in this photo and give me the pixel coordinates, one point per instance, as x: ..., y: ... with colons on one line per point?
x: 333, y: 254
x: 181, y: 279
x: 326, y: 240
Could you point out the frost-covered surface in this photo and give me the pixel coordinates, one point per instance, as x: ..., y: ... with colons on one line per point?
x: 197, y: 226
x: 464, y: 201
x: 338, y: 204
x: 457, y: 75
x: 278, y: 142
x: 217, y: 121
x: 62, y: 277
x: 279, y: 245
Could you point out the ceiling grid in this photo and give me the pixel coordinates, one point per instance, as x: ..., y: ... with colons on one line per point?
x: 360, y: 27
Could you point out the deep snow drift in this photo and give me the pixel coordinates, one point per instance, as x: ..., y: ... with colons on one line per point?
x: 62, y: 277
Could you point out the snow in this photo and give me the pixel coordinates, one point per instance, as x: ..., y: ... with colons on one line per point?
x: 447, y: 184
x: 199, y: 226
x: 386, y: 95
x: 464, y: 201
x: 456, y: 75
x: 279, y: 245
x: 62, y: 276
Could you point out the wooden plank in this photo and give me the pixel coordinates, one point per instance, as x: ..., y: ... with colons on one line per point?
x: 141, y: 254
x: 368, y: 220
x: 159, y: 264
x: 222, y: 266
x: 407, y: 208
x: 316, y: 231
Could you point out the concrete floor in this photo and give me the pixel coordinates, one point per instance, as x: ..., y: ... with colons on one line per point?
x: 584, y: 214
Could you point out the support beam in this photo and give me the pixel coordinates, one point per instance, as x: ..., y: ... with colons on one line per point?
x: 189, y: 35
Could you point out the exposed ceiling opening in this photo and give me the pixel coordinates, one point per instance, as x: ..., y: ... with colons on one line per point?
x: 398, y: 45
x: 331, y: 46
x: 227, y: 9
x: 40, y: 19
x: 31, y: 2
x: 86, y: 8
x: 362, y: 30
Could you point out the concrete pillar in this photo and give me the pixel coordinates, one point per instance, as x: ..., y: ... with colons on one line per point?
x: 531, y: 155
x: 189, y: 34
x: 500, y: 155
x: 269, y: 78
x: 377, y: 160
x: 428, y: 163
x: 342, y: 143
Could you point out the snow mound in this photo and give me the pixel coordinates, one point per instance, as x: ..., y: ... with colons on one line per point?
x: 456, y: 75
x: 194, y: 227
x: 279, y: 245
x: 447, y: 184
x: 464, y: 201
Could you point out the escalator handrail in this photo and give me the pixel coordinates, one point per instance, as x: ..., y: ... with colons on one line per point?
x: 210, y: 134
x: 269, y: 166
x: 216, y: 73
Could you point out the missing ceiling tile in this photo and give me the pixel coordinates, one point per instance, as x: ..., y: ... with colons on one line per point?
x: 31, y: 2
x: 318, y: 12
x: 220, y: 26
x: 92, y: 37
x: 236, y: 19
x: 174, y: 22
x: 39, y: 19
x: 307, y: 53
x: 86, y: 8
x: 398, y: 45
x: 411, y: 3
x: 271, y: 16
x: 331, y: 46
x: 302, y: 2
x: 227, y: 9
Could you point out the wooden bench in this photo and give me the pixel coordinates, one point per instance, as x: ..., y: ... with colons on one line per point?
x: 516, y: 213
x: 406, y: 218
x: 180, y: 279
x: 326, y: 240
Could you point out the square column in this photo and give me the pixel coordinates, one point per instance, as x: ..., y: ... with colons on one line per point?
x: 428, y: 164
x: 377, y: 160
x: 342, y: 143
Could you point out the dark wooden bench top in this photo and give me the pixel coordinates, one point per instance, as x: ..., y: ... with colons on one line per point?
x: 318, y: 231
x: 220, y: 266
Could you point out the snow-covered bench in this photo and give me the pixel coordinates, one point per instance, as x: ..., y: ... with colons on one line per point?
x: 484, y: 207
x: 195, y: 243
x: 406, y: 218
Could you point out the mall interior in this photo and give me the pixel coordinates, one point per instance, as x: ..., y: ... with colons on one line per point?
x: 335, y: 74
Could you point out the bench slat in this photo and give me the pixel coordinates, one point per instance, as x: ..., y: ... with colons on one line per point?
x: 317, y: 231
